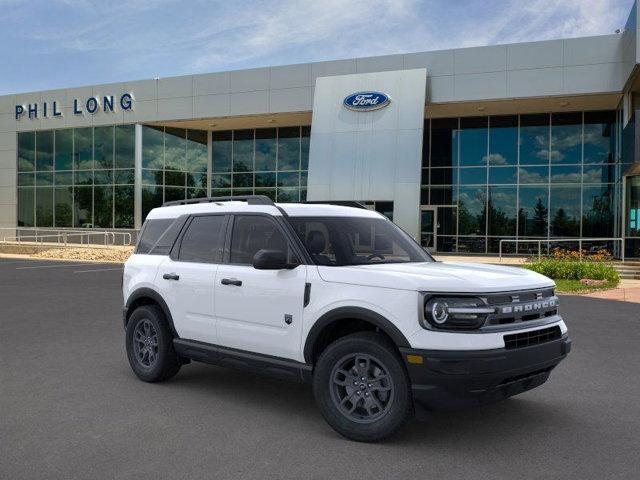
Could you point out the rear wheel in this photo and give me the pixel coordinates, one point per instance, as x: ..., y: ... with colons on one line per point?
x: 150, y: 345
x: 362, y: 388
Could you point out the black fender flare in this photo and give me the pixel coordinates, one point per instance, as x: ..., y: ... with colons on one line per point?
x: 357, y: 313
x: 157, y: 298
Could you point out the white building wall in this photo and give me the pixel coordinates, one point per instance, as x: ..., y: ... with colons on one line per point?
x: 369, y: 155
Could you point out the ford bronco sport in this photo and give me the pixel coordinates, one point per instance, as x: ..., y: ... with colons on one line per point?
x: 337, y: 296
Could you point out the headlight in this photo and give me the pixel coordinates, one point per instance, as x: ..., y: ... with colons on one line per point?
x: 455, y: 313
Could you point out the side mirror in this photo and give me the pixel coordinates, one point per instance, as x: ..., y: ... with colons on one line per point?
x: 271, y: 260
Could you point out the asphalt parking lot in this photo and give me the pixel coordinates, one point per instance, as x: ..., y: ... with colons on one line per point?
x: 71, y: 408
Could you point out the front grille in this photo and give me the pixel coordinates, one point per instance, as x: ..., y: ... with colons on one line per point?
x: 524, y: 306
x: 535, y: 337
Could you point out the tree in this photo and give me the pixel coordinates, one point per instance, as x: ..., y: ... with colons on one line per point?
x: 540, y: 219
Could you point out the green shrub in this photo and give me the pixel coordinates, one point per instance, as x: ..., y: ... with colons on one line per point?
x: 572, y: 270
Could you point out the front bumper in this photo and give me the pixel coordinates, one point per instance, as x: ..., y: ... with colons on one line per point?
x: 449, y: 380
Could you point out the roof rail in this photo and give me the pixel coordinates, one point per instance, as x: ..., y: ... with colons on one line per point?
x: 250, y: 199
x: 341, y: 203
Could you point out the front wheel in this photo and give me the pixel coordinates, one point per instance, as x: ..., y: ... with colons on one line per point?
x: 362, y: 388
x: 150, y: 345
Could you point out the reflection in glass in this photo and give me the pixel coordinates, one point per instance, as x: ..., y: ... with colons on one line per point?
x: 176, y: 179
x: 473, y: 141
x: 502, y: 175
x: 288, y: 179
x: 599, y: 141
x: 571, y: 174
x: 221, y: 151
x: 471, y: 211
x: 597, y: 211
x: 44, y: 206
x: 64, y: 149
x: 503, y: 140
x: 82, y: 206
x: 26, y: 205
x: 565, y: 211
x: 123, y: 206
x: 243, y: 150
x: 222, y: 181
x: 103, y: 207
x: 197, y: 151
x: 534, y: 139
x: 44, y: 150
x: 174, y: 193
x: 26, y: 151
x: 152, y: 147
x: 534, y: 175
x: 473, y: 176
x: 242, y: 180
x: 125, y: 146
x: 266, y: 149
x: 501, y: 210
x: 288, y: 148
x: 533, y: 213
x: 566, y: 138
x: 605, y: 173
x: 44, y: 179
x: 103, y: 147
x: 26, y: 179
x: 83, y: 148
x: 265, y: 180
x: 286, y: 195
x: 151, y: 198
x: 175, y: 150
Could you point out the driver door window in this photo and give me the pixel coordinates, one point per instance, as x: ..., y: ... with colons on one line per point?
x: 252, y: 233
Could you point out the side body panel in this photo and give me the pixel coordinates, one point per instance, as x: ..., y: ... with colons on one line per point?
x: 190, y: 298
x: 265, y: 313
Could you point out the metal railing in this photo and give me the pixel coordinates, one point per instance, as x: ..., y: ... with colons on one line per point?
x: 549, y: 242
x: 76, y: 238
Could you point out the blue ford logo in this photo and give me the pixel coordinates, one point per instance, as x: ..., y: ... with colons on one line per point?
x: 366, y: 101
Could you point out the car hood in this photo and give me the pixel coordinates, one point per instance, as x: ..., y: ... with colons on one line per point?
x: 452, y: 277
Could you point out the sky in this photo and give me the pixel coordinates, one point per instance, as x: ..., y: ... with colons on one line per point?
x: 48, y: 44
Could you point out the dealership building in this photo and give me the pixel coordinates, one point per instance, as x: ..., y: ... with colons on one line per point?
x: 462, y: 148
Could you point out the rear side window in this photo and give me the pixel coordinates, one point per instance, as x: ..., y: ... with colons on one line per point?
x: 203, y: 241
x: 151, y: 232
x: 168, y: 238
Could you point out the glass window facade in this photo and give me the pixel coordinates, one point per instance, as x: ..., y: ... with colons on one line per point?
x: 77, y: 177
x: 533, y: 176
x: 264, y: 161
x: 174, y: 165
x: 536, y: 176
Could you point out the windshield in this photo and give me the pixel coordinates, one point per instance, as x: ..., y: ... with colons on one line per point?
x: 342, y: 241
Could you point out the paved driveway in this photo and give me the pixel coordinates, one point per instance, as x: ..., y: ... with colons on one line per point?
x: 71, y: 408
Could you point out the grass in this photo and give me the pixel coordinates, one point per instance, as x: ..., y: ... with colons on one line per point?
x: 574, y: 286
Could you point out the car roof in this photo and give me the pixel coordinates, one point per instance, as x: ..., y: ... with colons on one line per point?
x: 291, y: 209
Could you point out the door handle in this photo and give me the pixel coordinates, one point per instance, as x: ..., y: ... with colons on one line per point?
x: 171, y: 276
x: 231, y: 281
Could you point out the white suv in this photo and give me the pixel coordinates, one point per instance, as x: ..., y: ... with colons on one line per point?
x: 337, y: 296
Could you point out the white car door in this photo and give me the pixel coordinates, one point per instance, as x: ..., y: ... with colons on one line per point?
x: 259, y: 310
x: 187, y: 277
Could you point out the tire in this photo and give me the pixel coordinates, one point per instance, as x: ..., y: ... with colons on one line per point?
x: 384, y: 403
x: 152, y: 357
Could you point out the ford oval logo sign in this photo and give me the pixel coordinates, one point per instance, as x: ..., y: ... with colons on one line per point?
x: 366, y: 101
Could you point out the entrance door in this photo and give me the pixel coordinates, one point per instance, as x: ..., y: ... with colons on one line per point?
x: 428, y: 223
